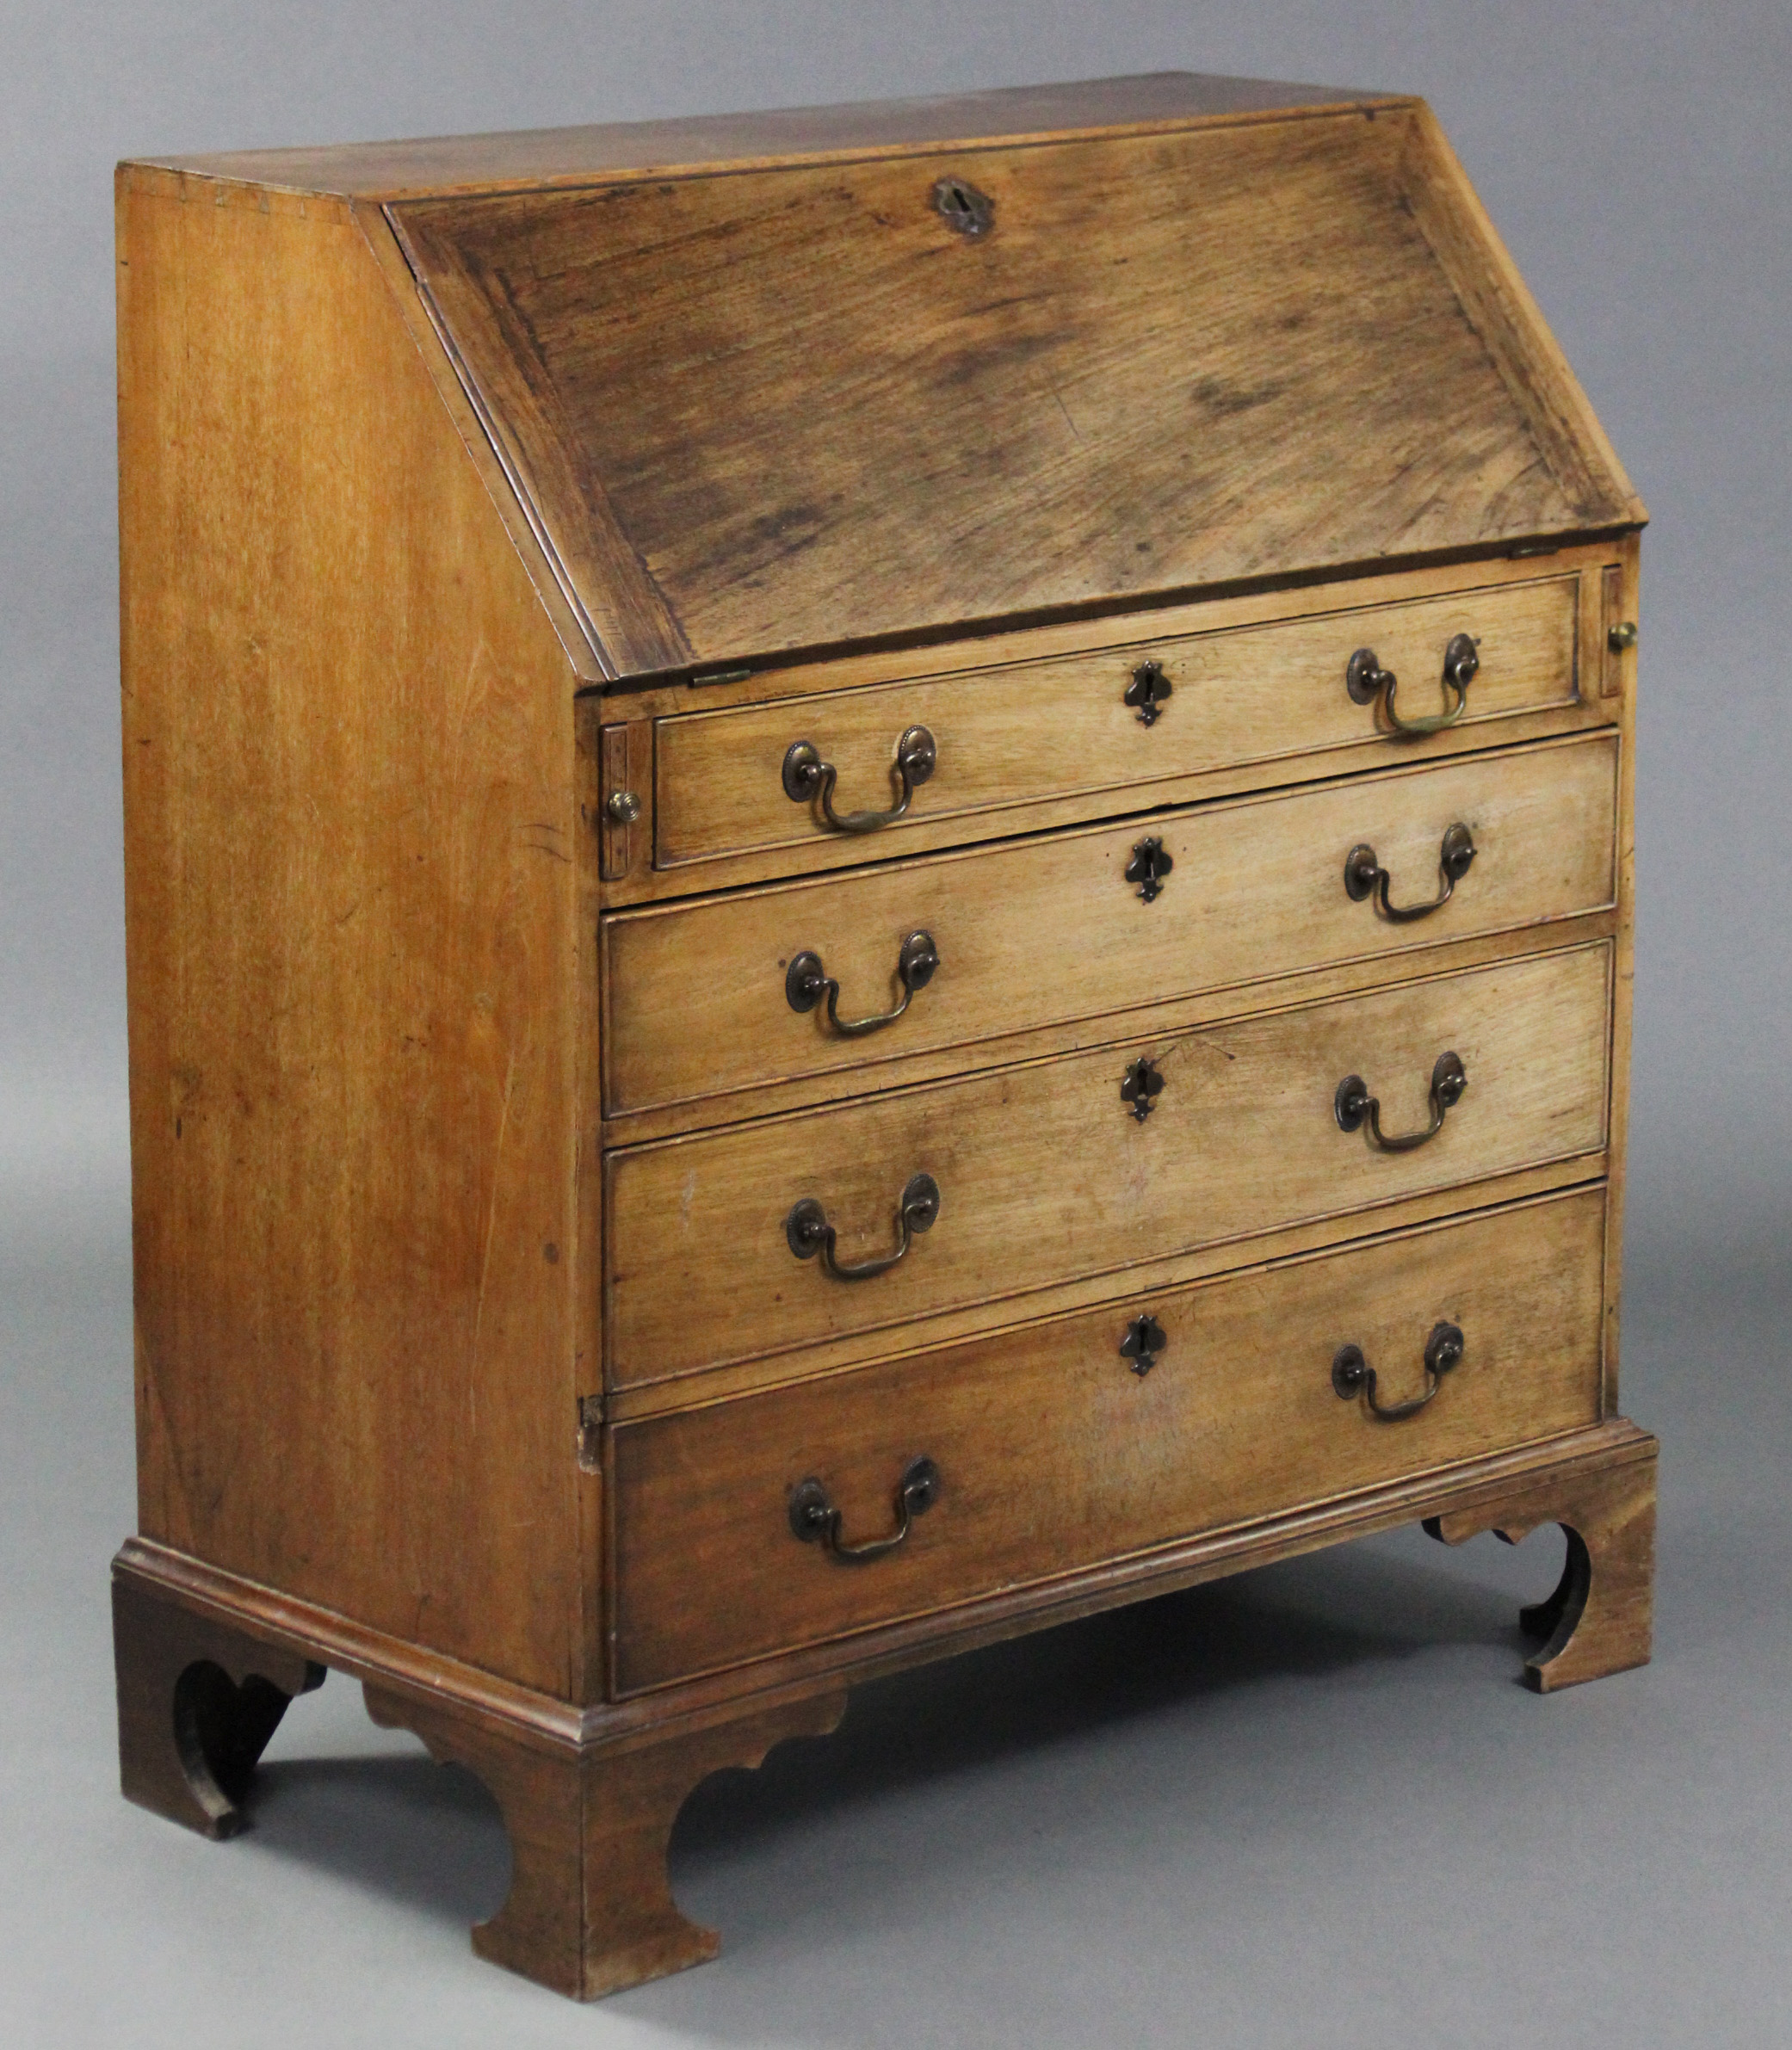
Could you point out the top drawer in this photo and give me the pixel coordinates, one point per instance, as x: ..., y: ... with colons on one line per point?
x: 1063, y: 727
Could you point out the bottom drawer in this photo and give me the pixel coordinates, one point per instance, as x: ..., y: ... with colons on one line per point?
x: 1051, y: 1451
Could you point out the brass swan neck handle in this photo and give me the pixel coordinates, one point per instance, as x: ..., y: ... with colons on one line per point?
x: 1363, y: 875
x: 810, y: 781
x: 1354, y: 1107
x: 1367, y: 681
x: 815, y: 1520
x: 1352, y: 1375
x: 806, y: 982
x: 809, y: 1234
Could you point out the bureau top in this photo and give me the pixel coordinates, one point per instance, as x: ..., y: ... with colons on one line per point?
x: 441, y: 165
x: 783, y: 382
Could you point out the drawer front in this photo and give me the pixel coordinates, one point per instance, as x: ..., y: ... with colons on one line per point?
x: 1045, y: 1172
x: 1025, y: 732
x: 1047, y: 931
x: 1054, y: 1453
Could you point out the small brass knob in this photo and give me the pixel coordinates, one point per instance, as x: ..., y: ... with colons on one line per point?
x: 624, y: 806
x: 1622, y: 636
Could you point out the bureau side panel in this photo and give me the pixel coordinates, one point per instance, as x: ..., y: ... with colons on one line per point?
x: 350, y: 823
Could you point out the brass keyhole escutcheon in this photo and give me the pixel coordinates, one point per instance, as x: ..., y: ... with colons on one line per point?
x: 1150, y: 864
x: 961, y: 207
x: 1139, y: 1088
x: 1148, y: 693
x: 1141, y: 1343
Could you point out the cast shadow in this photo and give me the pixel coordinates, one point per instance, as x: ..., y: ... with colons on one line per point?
x: 1314, y: 1618
x: 412, y: 1833
x: 430, y: 1838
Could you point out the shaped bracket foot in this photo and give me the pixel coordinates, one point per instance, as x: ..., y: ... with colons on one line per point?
x: 197, y: 1703
x: 591, y: 1910
x: 1599, y: 1618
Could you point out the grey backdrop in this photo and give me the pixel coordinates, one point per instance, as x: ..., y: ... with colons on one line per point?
x: 1309, y: 1805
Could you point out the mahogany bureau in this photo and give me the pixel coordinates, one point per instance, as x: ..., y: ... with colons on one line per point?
x: 879, y: 888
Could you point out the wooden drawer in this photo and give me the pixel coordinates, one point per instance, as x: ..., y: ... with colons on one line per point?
x: 1020, y: 732
x: 1053, y: 1454
x: 1044, y: 1174
x: 1047, y: 931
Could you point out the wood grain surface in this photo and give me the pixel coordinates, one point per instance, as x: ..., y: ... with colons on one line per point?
x: 390, y: 1663
x: 1017, y: 734
x: 1237, y: 1416
x: 1034, y: 932
x: 1268, y: 604
x: 349, y: 840
x: 738, y: 450
x: 1044, y: 1174
x: 653, y: 148
x: 1623, y: 981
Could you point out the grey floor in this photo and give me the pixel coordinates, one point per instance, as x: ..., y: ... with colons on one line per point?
x: 1310, y: 1805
